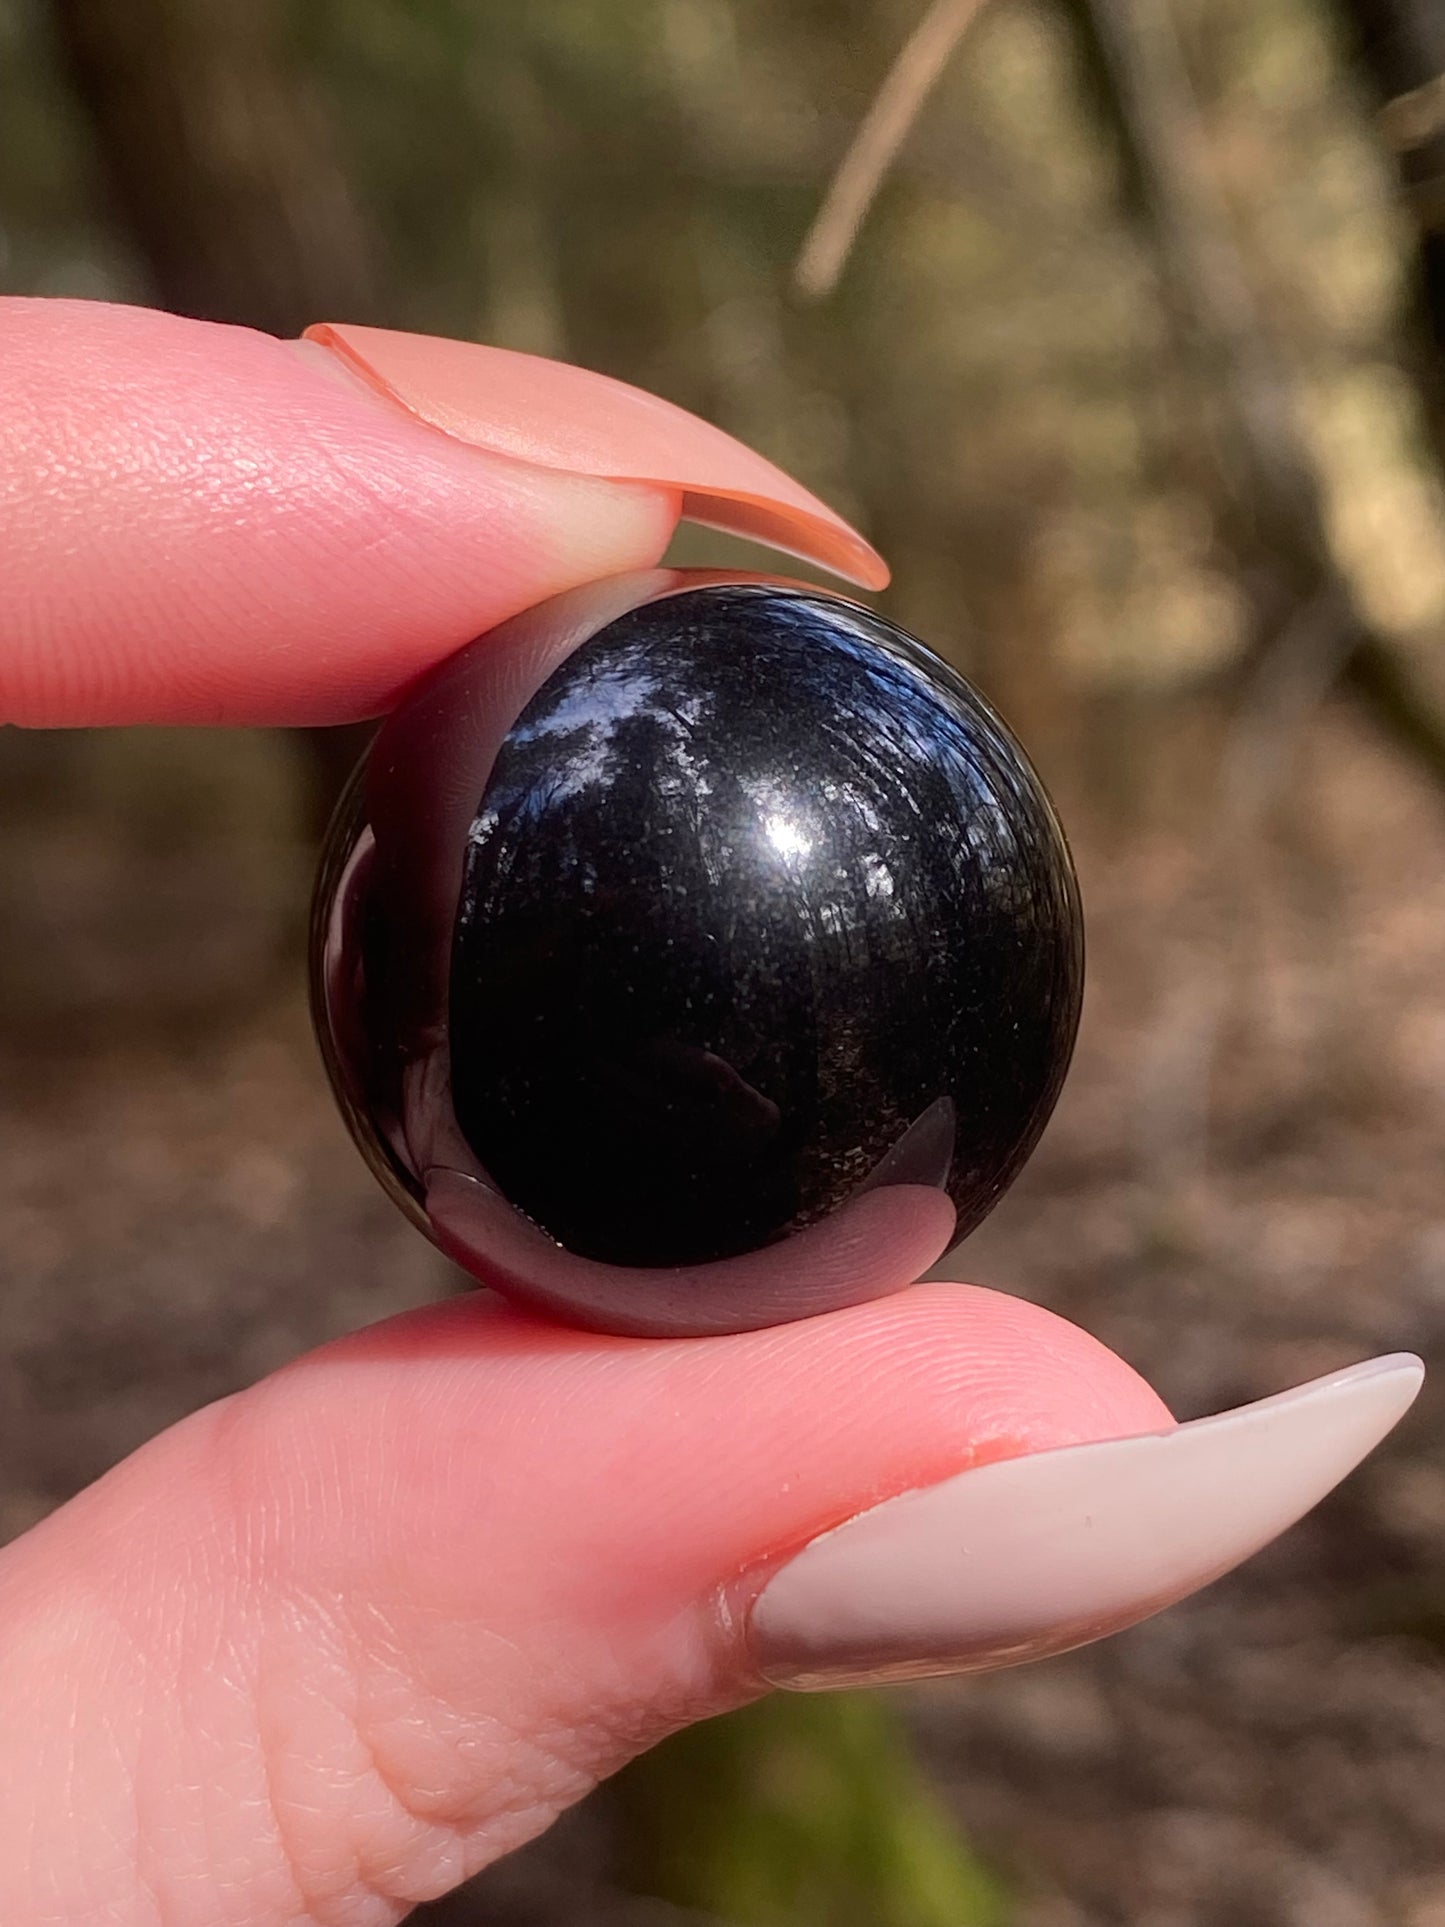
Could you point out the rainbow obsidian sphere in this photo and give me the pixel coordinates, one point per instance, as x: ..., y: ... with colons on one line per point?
x: 695, y: 953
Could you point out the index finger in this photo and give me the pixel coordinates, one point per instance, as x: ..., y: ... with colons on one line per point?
x: 204, y: 524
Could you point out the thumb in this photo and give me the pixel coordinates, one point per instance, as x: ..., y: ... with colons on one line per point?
x: 204, y: 524
x: 328, y: 1647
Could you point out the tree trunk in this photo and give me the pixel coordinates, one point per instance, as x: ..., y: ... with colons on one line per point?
x: 224, y: 174
x: 219, y: 160
x: 1263, y: 475
x: 1400, y: 49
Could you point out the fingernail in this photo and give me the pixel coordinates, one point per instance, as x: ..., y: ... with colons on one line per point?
x: 1035, y: 1555
x: 557, y: 416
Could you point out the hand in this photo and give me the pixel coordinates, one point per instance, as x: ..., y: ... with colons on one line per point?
x: 332, y: 1644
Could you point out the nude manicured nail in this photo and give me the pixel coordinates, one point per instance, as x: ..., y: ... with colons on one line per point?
x: 1035, y: 1555
x: 557, y: 416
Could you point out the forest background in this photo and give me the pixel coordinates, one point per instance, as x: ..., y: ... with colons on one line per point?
x: 1135, y: 368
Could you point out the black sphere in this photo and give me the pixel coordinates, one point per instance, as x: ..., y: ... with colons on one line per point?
x: 693, y: 954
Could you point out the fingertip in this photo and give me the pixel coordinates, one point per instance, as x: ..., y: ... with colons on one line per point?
x: 208, y: 527
x: 698, y: 1456
x: 558, y: 416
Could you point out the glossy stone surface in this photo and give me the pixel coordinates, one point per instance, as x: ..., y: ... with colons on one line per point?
x: 732, y: 978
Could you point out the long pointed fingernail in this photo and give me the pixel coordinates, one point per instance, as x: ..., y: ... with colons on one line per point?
x: 1031, y: 1556
x: 557, y: 416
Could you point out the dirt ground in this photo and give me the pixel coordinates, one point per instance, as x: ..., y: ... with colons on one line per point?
x: 182, y: 1211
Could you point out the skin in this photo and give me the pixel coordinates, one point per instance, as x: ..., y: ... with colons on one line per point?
x: 329, y: 1646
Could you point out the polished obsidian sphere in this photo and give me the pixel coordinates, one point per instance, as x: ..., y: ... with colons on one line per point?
x: 694, y: 953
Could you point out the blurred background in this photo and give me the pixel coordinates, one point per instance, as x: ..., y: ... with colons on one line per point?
x: 1135, y: 368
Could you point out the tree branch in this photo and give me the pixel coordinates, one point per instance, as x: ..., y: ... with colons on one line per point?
x: 874, y: 148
